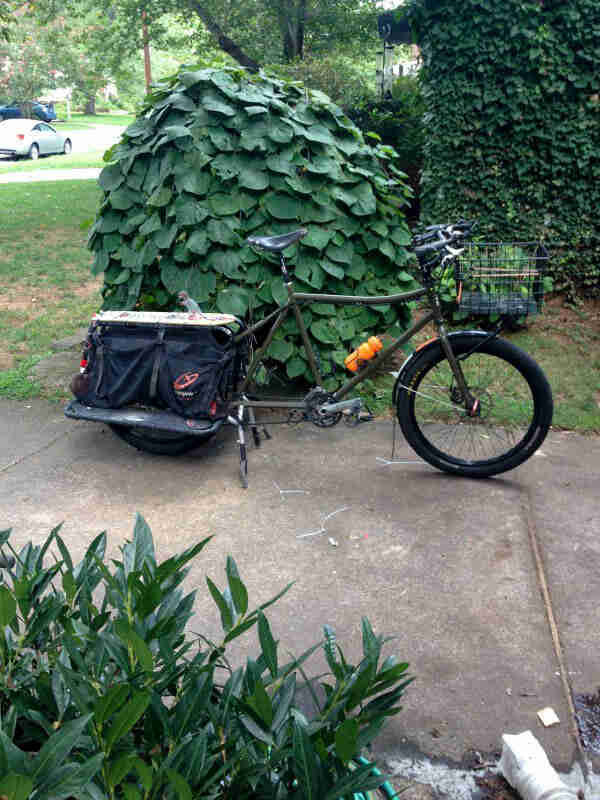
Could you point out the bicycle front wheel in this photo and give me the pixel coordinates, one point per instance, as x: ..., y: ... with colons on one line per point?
x: 513, y: 415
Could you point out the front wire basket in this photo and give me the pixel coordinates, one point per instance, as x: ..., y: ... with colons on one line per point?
x: 500, y: 278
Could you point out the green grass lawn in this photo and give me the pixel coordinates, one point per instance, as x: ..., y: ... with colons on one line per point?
x: 80, y: 122
x: 47, y: 290
x: 73, y: 161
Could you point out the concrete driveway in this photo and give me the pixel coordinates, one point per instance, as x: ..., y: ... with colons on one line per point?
x: 490, y: 587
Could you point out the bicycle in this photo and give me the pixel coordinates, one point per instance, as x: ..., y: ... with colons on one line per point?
x: 469, y: 402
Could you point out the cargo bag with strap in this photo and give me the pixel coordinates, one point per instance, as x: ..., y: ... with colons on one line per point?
x: 190, y: 371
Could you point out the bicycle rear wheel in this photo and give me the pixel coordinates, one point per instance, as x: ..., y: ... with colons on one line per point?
x: 514, y: 414
x: 157, y: 442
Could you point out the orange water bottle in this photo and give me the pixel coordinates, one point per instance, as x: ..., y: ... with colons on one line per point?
x: 363, y: 353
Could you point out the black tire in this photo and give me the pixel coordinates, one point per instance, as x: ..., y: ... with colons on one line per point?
x: 161, y: 443
x: 34, y: 152
x: 67, y: 147
x: 515, y: 410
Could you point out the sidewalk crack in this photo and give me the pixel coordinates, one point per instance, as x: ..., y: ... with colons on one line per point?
x: 23, y: 458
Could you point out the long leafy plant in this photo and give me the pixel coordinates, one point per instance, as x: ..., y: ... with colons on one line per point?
x: 217, y: 155
x: 105, y: 693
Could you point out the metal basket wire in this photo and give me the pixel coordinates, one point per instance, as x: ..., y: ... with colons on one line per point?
x: 501, y: 278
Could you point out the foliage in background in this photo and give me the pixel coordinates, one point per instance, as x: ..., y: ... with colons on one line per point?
x: 27, y: 61
x: 102, y: 694
x: 217, y: 155
x: 346, y: 79
x: 513, y: 123
x: 398, y: 121
x: 6, y: 18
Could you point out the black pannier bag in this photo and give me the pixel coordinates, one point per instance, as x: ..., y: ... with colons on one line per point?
x: 191, y: 371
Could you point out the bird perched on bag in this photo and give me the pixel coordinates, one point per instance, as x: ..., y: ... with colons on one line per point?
x: 188, y: 303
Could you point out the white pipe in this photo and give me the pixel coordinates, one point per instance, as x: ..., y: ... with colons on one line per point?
x: 525, y: 766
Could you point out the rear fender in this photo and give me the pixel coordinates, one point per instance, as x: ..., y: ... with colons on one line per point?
x: 422, y: 348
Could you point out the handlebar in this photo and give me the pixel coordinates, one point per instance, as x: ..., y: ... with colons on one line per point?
x: 440, y: 237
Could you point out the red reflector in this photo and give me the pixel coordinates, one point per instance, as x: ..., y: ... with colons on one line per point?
x: 213, y: 408
x: 20, y: 136
x: 83, y: 362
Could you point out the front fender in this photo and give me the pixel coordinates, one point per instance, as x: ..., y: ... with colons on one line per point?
x: 422, y: 348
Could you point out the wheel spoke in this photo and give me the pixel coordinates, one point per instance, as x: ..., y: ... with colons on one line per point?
x: 504, y: 415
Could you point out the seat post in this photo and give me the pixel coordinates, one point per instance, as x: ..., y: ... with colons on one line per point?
x: 286, y: 275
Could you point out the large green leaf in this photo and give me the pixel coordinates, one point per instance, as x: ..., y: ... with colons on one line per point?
x: 165, y: 237
x: 192, y: 182
x: 15, y: 787
x: 365, y: 199
x: 225, y: 262
x: 322, y: 330
x: 280, y: 131
x: 136, y: 643
x: 281, y: 163
x: 212, y: 102
x: 8, y: 608
x: 57, y: 748
x: 218, y: 231
x: 306, y: 763
x: 281, y: 350
x: 199, y: 285
x: 122, y: 199
x: 111, y: 177
x: 127, y: 717
x: 233, y: 301
x: 251, y: 178
x: 161, y: 197
x: 346, y: 739
x: 332, y: 269
x: 222, y: 204
x: 343, y: 254
x: 283, y: 206
x: 198, y: 243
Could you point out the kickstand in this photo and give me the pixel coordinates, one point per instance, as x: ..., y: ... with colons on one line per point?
x: 239, y: 423
x: 253, y: 425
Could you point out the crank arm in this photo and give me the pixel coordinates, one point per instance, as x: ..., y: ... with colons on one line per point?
x: 354, y: 406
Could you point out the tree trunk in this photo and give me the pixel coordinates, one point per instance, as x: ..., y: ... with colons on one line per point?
x: 90, y: 105
x: 292, y: 16
x: 224, y: 42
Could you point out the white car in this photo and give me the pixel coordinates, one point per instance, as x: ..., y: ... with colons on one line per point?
x: 31, y: 138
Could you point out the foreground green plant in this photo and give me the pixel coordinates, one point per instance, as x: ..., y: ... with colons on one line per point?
x: 103, y: 694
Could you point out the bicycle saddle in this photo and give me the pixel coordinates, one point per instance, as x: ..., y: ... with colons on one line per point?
x: 277, y: 243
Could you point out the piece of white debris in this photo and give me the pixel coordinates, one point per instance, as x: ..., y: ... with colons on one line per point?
x: 509, y: 692
x: 548, y: 717
x: 333, y: 542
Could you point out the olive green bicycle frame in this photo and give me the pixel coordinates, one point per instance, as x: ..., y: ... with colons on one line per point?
x: 297, y: 299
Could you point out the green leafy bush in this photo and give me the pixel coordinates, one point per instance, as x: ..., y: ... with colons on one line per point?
x: 104, y: 694
x: 398, y: 122
x: 513, y: 133
x: 217, y: 155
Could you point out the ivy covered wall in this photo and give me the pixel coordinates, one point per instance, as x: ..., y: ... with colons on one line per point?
x: 512, y: 89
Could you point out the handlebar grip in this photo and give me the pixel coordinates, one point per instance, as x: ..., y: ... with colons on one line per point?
x: 440, y: 244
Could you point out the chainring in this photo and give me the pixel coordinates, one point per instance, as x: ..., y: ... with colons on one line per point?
x: 314, y: 401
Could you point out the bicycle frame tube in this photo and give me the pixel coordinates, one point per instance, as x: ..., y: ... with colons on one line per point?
x: 296, y: 299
